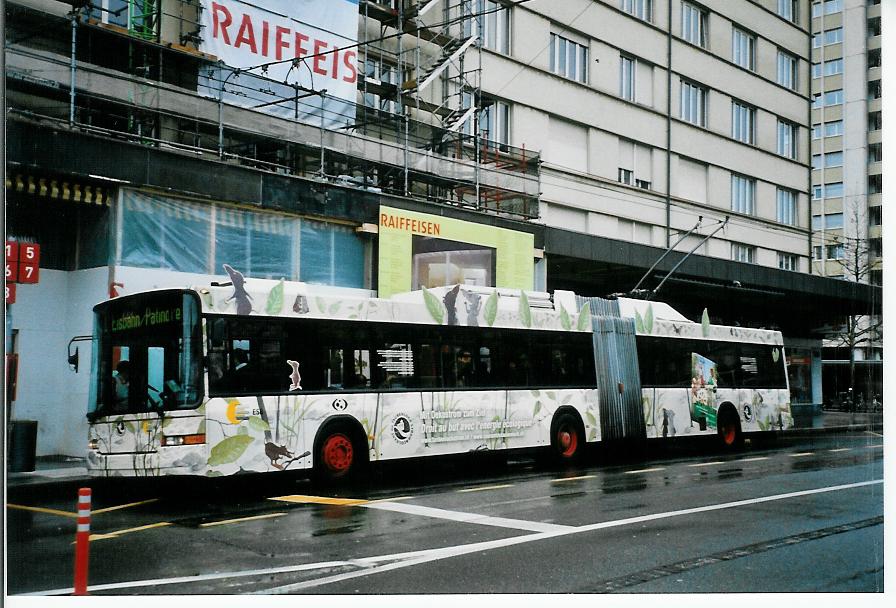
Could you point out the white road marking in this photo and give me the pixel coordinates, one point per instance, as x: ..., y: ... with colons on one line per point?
x: 653, y: 470
x: 839, y: 450
x: 753, y: 459
x: 237, y: 520
x: 800, y: 454
x: 412, y: 558
x: 877, y: 445
x: 484, y: 488
x: 562, y: 479
x: 470, y: 518
x: 707, y: 464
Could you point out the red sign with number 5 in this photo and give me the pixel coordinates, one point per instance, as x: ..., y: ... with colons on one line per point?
x: 29, y: 262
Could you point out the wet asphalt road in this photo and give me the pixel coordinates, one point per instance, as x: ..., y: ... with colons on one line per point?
x: 802, y: 514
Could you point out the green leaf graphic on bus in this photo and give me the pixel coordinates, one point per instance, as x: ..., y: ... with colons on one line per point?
x: 584, y: 322
x: 564, y: 318
x: 229, y: 450
x: 537, y: 408
x: 775, y: 355
x: 525, y: 311
x: 639, y: 323
x: 704, y: 321
x: 321, y: 305
x: 433, y: 306
x: 275, y: 299
x: 591, y: 419
x: 258, y: 424
x: 491, y: 308
x: 648, y: 319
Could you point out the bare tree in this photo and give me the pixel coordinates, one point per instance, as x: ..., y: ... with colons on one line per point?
x: 859, y: 258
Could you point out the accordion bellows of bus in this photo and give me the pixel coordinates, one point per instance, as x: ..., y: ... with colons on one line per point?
x: 255, y: 375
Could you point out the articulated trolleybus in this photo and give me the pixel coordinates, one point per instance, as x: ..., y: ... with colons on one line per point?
x: 259, y: 375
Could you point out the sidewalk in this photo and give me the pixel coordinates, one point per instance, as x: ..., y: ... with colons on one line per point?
x: 68, y: 470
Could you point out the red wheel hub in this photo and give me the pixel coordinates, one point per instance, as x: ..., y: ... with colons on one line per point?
x: 568, y: 441
x: 338, y: 453
x: 729, y: 433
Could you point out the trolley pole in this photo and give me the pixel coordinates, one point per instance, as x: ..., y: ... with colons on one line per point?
x: 82, y: 541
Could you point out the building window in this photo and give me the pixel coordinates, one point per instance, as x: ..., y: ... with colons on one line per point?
x: 627, y: 66
x: 642, y: 9
x: 787, y: 207
x: 876, y: 247
x: 743, y: 253
x: 787, y: 139
x: 830, y: 7
x: 693, y: 24
x: 875, y: 121
x: 743, y: 194
x: 874, y: 58
x: 743, y: 49
x: 831, y: 159
x: 693, y: 103
x: 490, y: 21
x: 788, y: 261
x: 642, y: 183
x: 377, y: 72
x: 743, y: 122
x: 832, y: 221
x: 875, y: 216
x: 833, y: 36
x: 831, y: 68
x: 874, y: 90
x: 831, y: 98
x: 875, y: 153
x: 831, y: 129
x: 626, y: 176
x: 569, y: 59
x: 789, y: 9
x: 835, y: 252
x: 494, y: 121
x: 875, y: 184
x: 874, y: 26
x: 787, y: 70
x: 831, y: 190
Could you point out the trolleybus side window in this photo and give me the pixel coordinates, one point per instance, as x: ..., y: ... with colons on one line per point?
x: 251, y: 355
x: 666, y: 362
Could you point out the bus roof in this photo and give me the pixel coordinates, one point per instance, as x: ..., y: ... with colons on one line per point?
x: 464, y: 305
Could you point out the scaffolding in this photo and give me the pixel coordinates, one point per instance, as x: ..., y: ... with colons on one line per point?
x: 135, y: 70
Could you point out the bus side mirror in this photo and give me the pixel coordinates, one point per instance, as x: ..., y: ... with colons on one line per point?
x: 73, y: 359
x: 73, y: 356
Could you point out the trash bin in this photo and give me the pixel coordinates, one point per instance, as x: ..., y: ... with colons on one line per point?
x: 22, y: 445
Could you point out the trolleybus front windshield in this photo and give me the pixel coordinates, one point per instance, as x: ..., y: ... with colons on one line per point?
x: 148, y: 354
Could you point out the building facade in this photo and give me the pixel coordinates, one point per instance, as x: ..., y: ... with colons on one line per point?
x: 380, y: 146
x: 847, y: 184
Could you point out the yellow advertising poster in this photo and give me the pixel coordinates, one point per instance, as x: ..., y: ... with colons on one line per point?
x: 423, y: 250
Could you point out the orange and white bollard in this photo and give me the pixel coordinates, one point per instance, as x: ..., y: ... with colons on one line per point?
x: 82, y: 541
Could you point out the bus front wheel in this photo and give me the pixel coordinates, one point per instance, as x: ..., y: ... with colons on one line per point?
x: 567, y: 438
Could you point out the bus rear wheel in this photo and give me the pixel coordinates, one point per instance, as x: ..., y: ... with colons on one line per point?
x: 567, y: 439
x: 339, y: 455
x: 730, y: 434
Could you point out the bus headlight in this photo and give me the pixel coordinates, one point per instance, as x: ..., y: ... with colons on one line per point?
x: 172, y: 440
